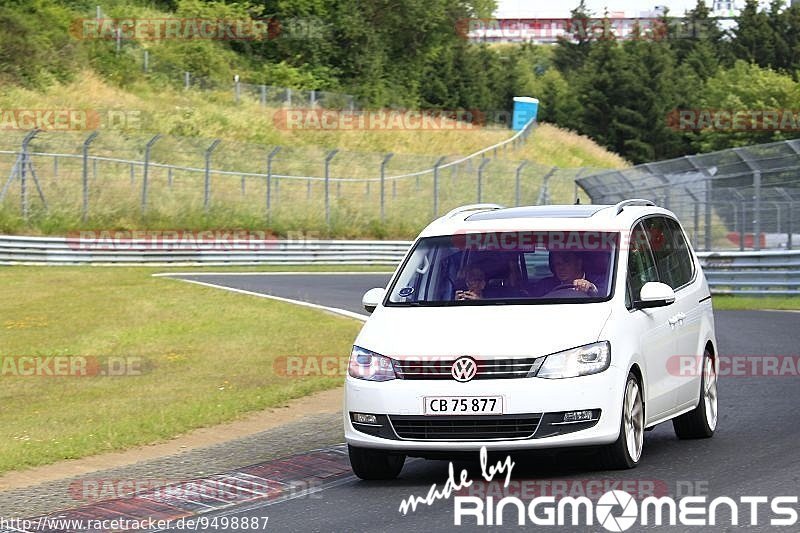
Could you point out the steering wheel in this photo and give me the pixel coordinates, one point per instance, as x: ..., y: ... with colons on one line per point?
x: 567, y: 289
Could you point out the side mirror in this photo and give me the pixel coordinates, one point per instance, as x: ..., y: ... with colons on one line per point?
x: 372, y: 299
x: 655, y: 294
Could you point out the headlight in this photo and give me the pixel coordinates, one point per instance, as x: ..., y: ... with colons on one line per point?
x: 581, y: 361
x: 370, y: 365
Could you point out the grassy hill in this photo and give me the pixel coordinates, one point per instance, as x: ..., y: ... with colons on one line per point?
x: 191, y: 119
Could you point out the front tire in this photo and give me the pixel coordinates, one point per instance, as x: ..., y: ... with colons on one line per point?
x: 626, y: 451
x: 374, y: 465
x: 701, y: 422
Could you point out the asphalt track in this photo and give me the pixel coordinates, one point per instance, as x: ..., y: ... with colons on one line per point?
x: 754, y: 452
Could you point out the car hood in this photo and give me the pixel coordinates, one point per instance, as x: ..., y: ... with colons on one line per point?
x: 482, y: 331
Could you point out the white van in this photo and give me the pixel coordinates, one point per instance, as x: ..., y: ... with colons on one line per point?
x: 534, y: 327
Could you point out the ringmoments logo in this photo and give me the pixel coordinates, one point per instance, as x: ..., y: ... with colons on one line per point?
x: 617, y: 510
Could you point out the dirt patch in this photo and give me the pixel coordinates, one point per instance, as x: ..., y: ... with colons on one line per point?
x: 321, y: 402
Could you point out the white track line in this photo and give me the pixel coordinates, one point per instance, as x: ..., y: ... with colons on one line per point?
x: 335, y: 310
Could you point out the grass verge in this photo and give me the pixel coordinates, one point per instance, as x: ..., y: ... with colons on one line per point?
x: 208, y: 358
x: 782, y: 303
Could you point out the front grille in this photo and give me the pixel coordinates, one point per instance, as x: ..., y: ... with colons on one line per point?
x: 476, y: 427
x: 487, y: 368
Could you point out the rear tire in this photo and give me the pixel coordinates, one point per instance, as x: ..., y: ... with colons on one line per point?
x: 701, y: 422
x: 375, y: 464
x: 626, y: 451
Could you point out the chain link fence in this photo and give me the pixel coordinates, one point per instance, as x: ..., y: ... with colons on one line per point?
x: 71, y: 180
x: 742, y: 198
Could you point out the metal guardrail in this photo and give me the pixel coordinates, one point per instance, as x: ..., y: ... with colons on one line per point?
x: 741, y: 273
x: 752, y: 273
x: 74, y: 251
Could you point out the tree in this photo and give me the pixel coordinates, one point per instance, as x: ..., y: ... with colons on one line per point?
x: 600, y: 93
x: 570, y: 56
x: 743, y: 89
x: 754, y: 38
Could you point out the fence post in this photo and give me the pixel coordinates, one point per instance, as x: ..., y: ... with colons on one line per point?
x: 791, y: 212
x: 55, y: 166
x: 263, y: 95
x: 313, y: 99
x: 696, y: 223
x: 146, y: 171
x: 436, y: 186
x: 742, y: 226
x: 289, y: 98
x: 757, y: 208
x: 385, y: 162
x: 755, y: 169
x: 146, y: 62
x: 185, y: 80
x: 707, y: 216
x: 169, y: 177
x: 480, y: 178
x: 517, y: 183
x: 237, y: 91
x: 207, y: 188
x: 544, y: 192
x: 133, y: 175
x: 270, y: 157
x: 22, y: 172
x: 86, y: 143
x: 328, y: 159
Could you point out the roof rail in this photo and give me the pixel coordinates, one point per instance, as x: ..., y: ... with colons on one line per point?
x: 636, y: 202
x: 473, y: 207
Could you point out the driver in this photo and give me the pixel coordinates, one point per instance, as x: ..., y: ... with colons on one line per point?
x: 476, y: 283
x: 568, y: 273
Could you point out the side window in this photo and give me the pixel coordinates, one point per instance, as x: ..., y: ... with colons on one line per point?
x: 641, y: 264
x: 675, y: 265
x: 682, y: 264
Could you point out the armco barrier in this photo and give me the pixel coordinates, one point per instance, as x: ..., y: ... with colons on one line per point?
x: 745, y: 273
x: 753, y: 273
x: 61, y: 251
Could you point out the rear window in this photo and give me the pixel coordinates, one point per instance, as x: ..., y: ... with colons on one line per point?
x: 507, y: 268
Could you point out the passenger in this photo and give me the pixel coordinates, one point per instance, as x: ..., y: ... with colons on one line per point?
x: 476, y: 283
x: 568, y: 273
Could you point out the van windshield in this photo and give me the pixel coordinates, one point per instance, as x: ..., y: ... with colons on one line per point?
x: 508, y: 268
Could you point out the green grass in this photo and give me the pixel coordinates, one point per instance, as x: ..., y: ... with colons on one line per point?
x: 191, y: 119
x: 783, y: 303
x: 208, y: 355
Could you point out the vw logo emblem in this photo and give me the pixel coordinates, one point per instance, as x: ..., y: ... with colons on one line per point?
x: 464, y: 369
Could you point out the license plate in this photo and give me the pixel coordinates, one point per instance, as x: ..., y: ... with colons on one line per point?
x: 463, y: 405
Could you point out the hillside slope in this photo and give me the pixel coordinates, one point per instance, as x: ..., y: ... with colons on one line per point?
x: 191, y: 119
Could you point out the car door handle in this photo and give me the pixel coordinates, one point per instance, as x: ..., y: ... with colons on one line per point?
x: 677, y: 319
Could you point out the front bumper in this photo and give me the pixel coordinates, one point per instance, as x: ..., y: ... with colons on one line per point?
x: 526, y: 397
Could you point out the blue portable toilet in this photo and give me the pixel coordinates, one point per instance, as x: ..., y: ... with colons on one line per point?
x: 525, y: 109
